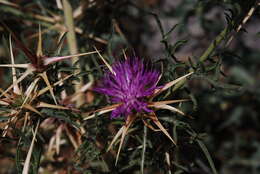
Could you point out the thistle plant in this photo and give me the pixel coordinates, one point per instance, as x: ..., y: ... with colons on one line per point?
x: 132, y: 84
x: 25, y: 104
x: 83, y: 112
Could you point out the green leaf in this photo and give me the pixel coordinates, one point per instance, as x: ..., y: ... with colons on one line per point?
x: 178, y: 45
x: 166, y: 35
x: 63, y: 115
x: 207, y: 154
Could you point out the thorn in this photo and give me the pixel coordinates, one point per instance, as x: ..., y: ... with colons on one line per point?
x: 103, y: 59
x: 39, y: 52
x: 50, y: 60
x: 16, y: 87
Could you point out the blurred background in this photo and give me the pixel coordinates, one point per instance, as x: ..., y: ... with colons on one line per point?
x: 225, y: 90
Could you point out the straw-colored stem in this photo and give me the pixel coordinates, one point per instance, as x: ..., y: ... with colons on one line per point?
x: 246, y: 18
x: 72, y: 43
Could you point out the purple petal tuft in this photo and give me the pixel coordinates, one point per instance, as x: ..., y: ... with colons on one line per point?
x: 134, y: 81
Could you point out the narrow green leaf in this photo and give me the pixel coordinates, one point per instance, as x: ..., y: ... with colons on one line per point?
x: 206, y: 152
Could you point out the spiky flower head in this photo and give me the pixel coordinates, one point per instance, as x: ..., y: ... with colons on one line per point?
x: 130, y: 83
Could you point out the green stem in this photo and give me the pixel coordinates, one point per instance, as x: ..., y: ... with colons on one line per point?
x: 144, y: 149
x: 213, y: 45
x: 207, y: 154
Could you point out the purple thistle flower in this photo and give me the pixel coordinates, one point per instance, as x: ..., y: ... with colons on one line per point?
x: 131, y: 83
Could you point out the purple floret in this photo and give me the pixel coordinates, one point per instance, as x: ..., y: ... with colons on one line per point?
x: 131, y: 84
